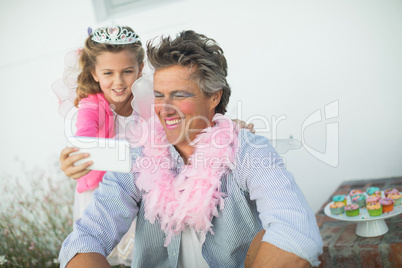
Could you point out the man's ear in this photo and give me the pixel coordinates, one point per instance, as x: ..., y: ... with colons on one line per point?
x: 216, y: 98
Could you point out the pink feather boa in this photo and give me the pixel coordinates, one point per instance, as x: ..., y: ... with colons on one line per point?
x: 190, y: 198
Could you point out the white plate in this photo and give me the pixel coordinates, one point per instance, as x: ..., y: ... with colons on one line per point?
x: 364, y: 215
x: 367, y: 226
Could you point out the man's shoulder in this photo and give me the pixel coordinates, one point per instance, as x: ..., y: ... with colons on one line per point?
x: 248, y: 140
x: 256, y: 152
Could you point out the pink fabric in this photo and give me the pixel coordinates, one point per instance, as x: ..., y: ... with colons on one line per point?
x: 94, y: 119
x: 190, y: 198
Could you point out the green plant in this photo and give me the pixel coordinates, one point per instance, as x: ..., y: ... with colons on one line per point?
x: 35, y: 217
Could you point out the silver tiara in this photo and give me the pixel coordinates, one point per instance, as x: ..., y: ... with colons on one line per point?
x: 115, y: 35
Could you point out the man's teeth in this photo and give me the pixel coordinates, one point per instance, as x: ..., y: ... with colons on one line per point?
x: 118, y: 90
x: 173, y: 122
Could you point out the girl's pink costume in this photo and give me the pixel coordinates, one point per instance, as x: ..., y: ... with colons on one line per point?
x: 94, y: 119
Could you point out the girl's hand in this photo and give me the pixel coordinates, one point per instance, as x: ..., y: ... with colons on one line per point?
x: 243, y: 124
x: 67, y: 163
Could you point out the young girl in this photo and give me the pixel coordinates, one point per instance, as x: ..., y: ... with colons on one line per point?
x: 111, y: 61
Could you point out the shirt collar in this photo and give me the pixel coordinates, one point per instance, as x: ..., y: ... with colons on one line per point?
x: 176, y: 157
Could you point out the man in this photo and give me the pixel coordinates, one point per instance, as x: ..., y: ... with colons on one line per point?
x: 201, y: 189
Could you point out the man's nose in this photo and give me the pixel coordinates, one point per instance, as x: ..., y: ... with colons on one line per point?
x: 167, y: 109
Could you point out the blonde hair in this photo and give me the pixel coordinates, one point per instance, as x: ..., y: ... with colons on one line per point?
x: 87, y: 61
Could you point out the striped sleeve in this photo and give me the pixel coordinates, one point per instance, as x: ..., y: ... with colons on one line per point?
x: 284, y: 212
x: 107, y: 218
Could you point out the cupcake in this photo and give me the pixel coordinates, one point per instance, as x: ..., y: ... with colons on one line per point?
x: 352, y: 210
x: 337, y: 208
x: 374, y: 209
x: 387, y: 204
x: 359, y: 199
x: 396, y: 198
x: 355, y: 192
x: 373, y: 199
x: 339, y: 198
x: 391, y: 191
x: 378, y: 196
x: 373, y: 190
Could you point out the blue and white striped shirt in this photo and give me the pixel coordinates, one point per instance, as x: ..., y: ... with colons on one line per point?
x: 261, y: 194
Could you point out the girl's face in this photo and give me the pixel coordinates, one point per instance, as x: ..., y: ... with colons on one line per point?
x: 116, y: 73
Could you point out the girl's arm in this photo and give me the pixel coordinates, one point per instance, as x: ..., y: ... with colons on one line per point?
x: 88, y: 126
x: 88, y: 119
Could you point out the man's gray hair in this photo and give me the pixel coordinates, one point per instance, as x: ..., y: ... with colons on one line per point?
x: 191, y: 49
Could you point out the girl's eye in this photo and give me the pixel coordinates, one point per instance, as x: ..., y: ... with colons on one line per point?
x: 128, y: 72
x: 107, y: 73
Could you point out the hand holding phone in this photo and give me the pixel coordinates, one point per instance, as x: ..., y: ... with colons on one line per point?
x: 106, y: 154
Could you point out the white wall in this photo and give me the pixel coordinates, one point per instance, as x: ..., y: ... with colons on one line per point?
x: 287, y: 59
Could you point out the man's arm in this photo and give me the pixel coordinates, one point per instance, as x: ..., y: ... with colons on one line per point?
x: 105, y: 221
x: 88, y: 260
x: 270, y: 256
x: 285, y: 214
x: 264, y: 254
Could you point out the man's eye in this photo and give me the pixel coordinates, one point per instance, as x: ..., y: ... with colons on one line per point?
x: 182, y: 95
x: 158, y: 95
x: 179, y: 96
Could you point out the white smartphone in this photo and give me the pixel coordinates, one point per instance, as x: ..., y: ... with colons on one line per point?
x: 106, y: 154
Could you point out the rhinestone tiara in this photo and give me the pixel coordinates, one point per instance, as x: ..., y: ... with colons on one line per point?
x: 115, y: 35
